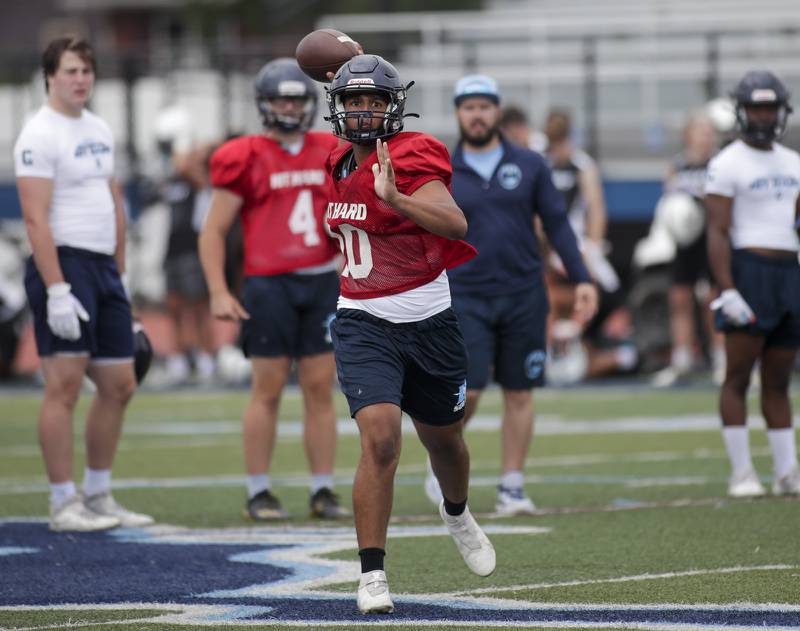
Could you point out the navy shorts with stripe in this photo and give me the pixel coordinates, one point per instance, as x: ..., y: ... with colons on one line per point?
x: 97, y: 285
x: 419, y: 366
x: 506, y: 334
x: 771, y: 287
x: 290, y: 314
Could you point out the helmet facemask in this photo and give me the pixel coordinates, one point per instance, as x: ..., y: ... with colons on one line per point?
x: 762, y: 133
x: 365, y: 133
x: 287, y: 122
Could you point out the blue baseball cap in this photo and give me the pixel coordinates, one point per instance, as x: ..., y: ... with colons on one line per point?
x: 476, y: 85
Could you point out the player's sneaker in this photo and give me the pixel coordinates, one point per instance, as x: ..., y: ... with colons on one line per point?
x: 73, y: 515
x: 373, y: 593
x: 513, y: 502
x: 669, y: 376
x: 745, y: 484
x: 473, y: 544
x: 432, y: 488
x: 788, y: 484
x: 105, y: 504
x: 264, y: 506
x: 325, y: 505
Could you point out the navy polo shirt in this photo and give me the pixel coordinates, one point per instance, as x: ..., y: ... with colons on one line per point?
x: 500, y: 218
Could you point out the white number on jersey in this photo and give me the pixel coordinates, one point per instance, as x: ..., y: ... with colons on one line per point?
x: 302, y: 221
x: 363, y: 267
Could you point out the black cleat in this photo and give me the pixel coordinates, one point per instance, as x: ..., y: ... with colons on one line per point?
x: 325, y: 505
x: 264, y: 506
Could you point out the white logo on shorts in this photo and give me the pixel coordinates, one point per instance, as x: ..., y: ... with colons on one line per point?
x: 462, y: 397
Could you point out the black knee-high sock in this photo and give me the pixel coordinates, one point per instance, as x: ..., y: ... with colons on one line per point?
x: 454, y: 508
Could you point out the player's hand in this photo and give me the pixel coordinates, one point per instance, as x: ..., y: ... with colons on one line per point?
x: 225, y: 307
x: 586, y: 301
x: 64, y: 312
x: 385, y: 186
x: 734, y: 308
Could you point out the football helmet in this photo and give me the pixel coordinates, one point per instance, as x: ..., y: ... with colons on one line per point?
x: 370, y: 74
x: 761, y: 87
x: 282, y: 78
x: 142, y: 352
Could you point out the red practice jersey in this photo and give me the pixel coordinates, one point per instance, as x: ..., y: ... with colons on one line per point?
x: 285, y: 198
x: 387, y: 253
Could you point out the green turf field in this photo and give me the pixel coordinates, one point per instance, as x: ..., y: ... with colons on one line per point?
x: 630, y: 484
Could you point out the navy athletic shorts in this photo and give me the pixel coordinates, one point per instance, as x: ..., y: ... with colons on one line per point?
x: 290, y: 314
x: 97, y: 285
x: 507, y: 333
x: 772, y: 289
x: 419, y: 366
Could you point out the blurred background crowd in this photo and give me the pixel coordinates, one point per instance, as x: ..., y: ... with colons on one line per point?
x: 626, y: 98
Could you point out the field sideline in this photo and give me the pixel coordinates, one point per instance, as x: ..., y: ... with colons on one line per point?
x: 634, y: 530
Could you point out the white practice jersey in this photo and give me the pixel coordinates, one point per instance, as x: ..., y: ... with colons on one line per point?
x: 764, y: 186
x: 78, y: 155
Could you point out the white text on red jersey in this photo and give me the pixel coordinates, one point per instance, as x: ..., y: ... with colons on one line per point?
x: 286, y: 179
x: 343, y: 210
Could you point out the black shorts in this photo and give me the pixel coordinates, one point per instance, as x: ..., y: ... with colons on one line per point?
x: 97, y: 285
x: 419, y: 366
x: 691, y: 263
x: 290, y: 314
x: 771, y: 287
x: 185, y: 277
x: 507, y: 333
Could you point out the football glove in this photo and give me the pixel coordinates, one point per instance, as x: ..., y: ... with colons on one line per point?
x: 64, y: 311
x: 734, y: 308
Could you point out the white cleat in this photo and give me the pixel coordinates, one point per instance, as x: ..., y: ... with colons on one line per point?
x: 432, y: 488
x: 373, y: 593
x: 72, y: 516
x: 104, y: 504
x: 788, y: 484
x: 513, y: 503
x: 745, y: 484
x: 473, y: 544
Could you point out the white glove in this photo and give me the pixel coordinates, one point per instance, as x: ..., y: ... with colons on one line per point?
x: 734, y: 308
x: 599, y: 267
x: 63, y: 311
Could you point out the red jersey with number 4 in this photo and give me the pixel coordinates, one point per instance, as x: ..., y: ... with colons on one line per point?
x: 285, y: 197
x: 387, y: 253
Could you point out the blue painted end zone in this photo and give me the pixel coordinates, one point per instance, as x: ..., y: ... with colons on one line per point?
x: 137, y: 566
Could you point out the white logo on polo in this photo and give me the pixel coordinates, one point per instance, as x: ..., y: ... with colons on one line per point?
x: 509, y: 175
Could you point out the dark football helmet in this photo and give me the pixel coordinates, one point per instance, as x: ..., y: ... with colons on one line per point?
x: 761, y: 87
x: 142, y: 352
x: 367, y: 74
x: 283, y: 78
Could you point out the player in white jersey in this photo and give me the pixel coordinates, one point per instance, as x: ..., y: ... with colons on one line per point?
x: 74, y: 215
x: 753, y: 205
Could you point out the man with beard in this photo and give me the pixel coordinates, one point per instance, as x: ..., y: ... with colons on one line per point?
x: 500, y: 296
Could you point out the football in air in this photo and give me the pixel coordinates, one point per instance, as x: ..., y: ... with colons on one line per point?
x: 324, y: 50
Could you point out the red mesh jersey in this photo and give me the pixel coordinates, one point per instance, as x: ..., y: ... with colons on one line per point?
x: 285, y: 197
x: 386, y: 252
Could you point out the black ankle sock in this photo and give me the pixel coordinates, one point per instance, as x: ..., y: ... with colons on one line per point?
x: 454, y: 508
x: 371, y: 559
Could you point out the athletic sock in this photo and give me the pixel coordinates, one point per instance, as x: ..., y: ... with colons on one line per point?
x: 60, y: 492
x: 454, y: 509
x: 321, y: 482
x: 96, y: 481
x: 737, y: 443
x: 257, y: 483
x: 784, y: 450
x: 512, y: 480
x: 371, y: 559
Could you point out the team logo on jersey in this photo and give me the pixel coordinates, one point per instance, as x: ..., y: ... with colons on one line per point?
x: 462, y: 397
x: 306, y: 177
x: 27, y: 157
x: 777, y: 185
x: 534, y: 364
x: 91, y: 148
x: 509, y: 175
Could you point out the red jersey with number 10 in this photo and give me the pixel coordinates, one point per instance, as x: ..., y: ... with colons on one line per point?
x: 386, y: 252
x: 285, y: 197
